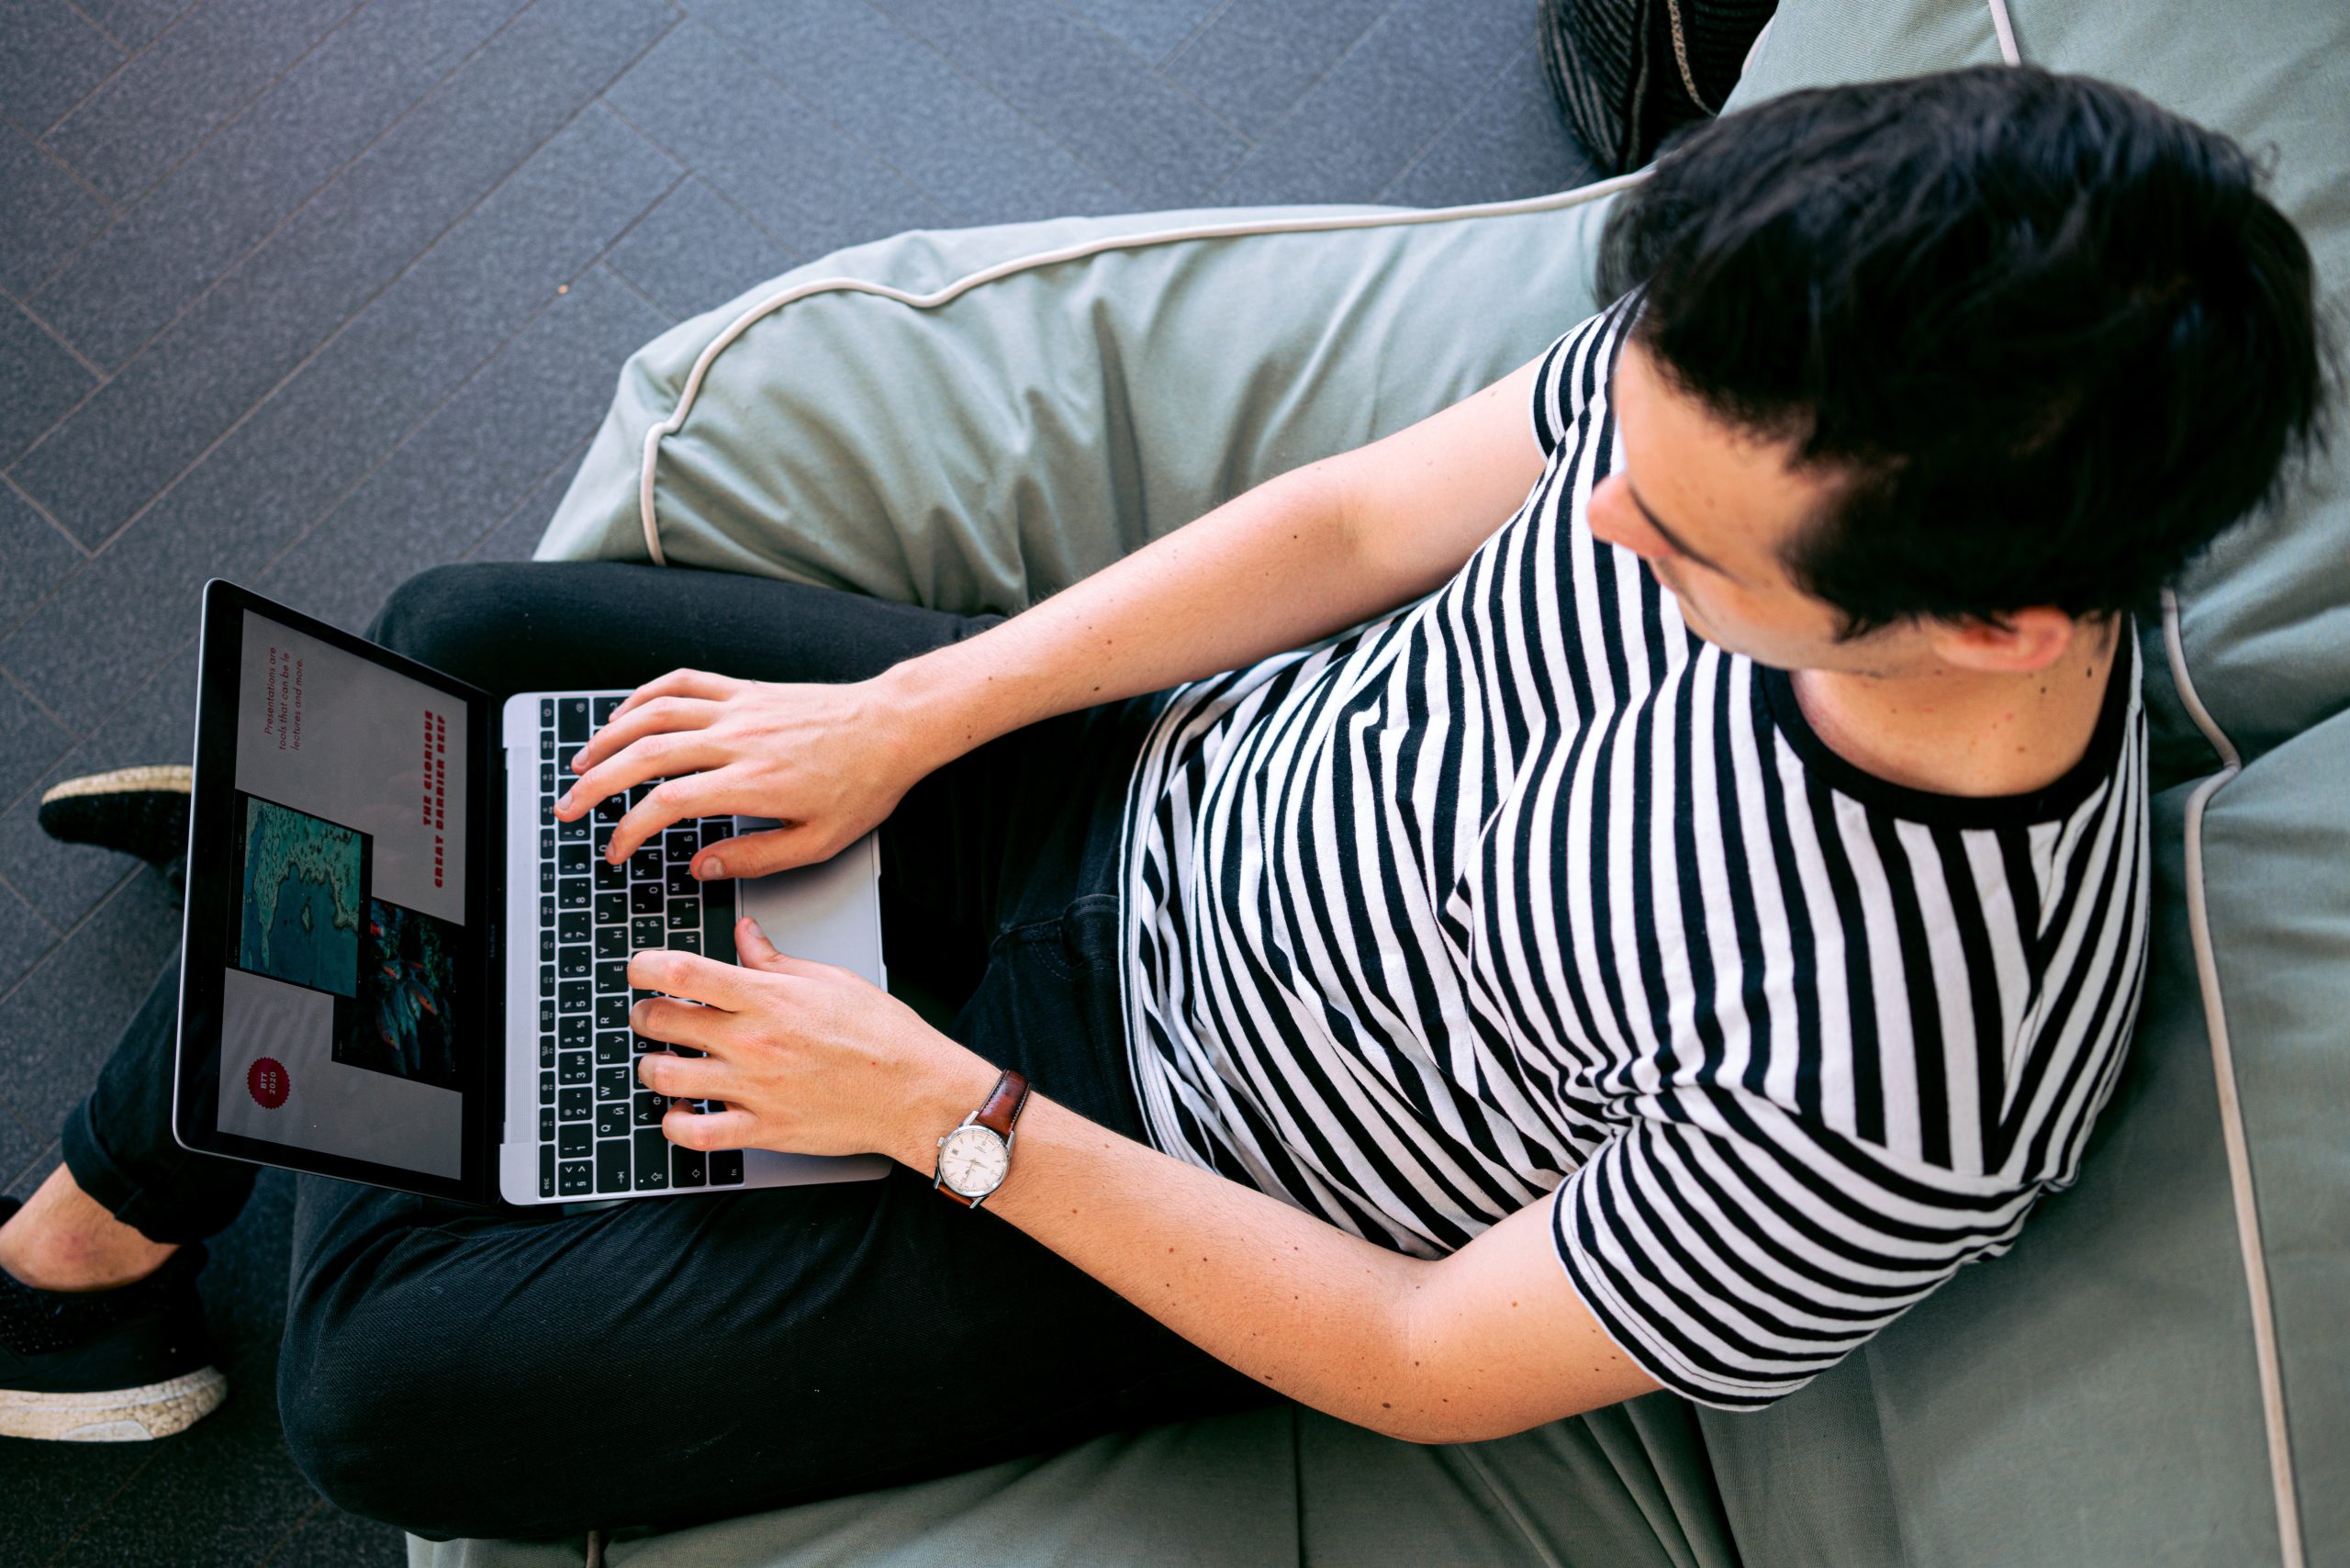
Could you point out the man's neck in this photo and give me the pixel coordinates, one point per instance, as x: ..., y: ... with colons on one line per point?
x: 1957, y: 732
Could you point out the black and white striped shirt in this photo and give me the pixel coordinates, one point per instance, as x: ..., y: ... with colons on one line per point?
x: 1524, y: 889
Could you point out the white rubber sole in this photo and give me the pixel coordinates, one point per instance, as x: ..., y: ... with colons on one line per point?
x: 162, y: 777
x: 115, y: 1414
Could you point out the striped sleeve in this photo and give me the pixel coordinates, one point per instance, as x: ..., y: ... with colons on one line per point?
x: 1735, y: 1250
x: 1556, y: 401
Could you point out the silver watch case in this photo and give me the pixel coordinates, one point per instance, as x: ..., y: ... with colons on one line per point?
x: 997, y: 1158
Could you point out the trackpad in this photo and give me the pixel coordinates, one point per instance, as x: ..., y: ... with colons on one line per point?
x: 830, y: 912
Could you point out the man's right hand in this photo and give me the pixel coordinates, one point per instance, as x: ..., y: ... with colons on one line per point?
x: 828, y: 761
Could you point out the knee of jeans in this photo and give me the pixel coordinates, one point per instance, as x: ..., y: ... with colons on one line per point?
x: 420, y: 610
x: 368, y: 1406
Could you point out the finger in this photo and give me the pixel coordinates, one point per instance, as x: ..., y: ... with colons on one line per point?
x: 691, y: 977
x: 654, y: 757
x: 752, y: 949
x: 709, y: 1129
x: 671, y: 801
x: 680, y: 683
x: 684, y: 1078
x: 757, y: 854
x: 682, y: 1023
x: 662, y: 715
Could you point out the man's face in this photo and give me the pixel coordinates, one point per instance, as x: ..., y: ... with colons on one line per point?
x: 1710, y: 507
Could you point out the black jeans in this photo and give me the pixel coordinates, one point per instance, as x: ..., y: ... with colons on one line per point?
x: 464, y: 1372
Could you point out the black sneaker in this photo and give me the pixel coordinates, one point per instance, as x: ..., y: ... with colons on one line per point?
x: 132, y: 811
x: 106, y: 1366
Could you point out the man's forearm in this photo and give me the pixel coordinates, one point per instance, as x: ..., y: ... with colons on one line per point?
x: 1269, y: 570
x: 1285, y: 1297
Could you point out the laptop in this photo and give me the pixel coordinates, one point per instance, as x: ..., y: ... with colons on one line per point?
x: 399, y: 969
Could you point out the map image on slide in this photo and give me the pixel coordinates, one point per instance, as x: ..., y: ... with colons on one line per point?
x: 400, y: 1022
x: 302, y: 888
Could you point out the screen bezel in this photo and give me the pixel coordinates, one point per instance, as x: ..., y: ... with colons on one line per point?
x: 205, y: 954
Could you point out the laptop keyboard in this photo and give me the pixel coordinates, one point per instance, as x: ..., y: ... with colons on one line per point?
x: 599, y: 1127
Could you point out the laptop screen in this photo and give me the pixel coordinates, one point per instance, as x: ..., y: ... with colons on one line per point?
x: 338, y: 878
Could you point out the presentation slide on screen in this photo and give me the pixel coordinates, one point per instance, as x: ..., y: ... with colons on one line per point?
x: 338, y: 1026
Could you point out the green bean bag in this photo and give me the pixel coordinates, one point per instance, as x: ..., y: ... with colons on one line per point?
x: 2155, y: 1374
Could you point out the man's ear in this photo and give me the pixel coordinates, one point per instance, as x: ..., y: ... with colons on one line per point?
x: 2017, y: 643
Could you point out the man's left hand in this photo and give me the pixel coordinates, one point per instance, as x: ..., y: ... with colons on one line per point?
x: 807, y: 1057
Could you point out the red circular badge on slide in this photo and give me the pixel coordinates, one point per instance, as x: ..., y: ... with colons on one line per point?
x: 267, y: 1082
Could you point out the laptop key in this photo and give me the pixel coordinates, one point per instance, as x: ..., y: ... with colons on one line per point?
x: 686, y: 1167
x: 612, y: 909
x: 571, y: 860
x: 576, y: 963
x: 644, y: 897
x: 576, y: 1142
x: 546, y: 883
x: 546, y: 1016
x: 685, y: 914
x: 578, y: 1178
x: 575, y: 1067
x: 546, y: 1052
x: 605, y: 708
x: 645, y: 866
x: 647, y: 930
x: 609, y: 879
x: 546, y: 980
x: 572, y: 832
x: 612, y: 942
x: 652, y: 1159
x: 612, y: 975
x: 546, y: 1170
x: 577, y: 1104
x: 573, y: 892
x: 611, y: 1048
x: 572, y: 1030
x: 571, y: 719
x: 562, y: 761
x: 546, y: 908
x: 546, y: 711
x: 611, y: 1118
x: 649, y: 1107
x: 615, y: 1082
x: 679, y: 881
x: 546, y: 946
x: 685, y: 941
x: 611, y: 1165
x: 575, y: 996
x: 726, y: 1168
x: 546, y: 1123
x: 611, y: 1011
x: 546, y: 1086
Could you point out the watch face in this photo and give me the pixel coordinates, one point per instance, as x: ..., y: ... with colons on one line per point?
x: 974, y: 1161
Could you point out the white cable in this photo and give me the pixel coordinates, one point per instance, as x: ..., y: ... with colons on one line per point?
x: 2223, y: 1075
x: 741, y: 323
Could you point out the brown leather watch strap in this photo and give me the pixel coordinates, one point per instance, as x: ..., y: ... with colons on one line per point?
x: 1003, y: 1106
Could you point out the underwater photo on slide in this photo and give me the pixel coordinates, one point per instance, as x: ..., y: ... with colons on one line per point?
x: 302, y: 884
x: 401, y: 1021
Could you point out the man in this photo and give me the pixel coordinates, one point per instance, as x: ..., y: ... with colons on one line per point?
x: 1626, y: 884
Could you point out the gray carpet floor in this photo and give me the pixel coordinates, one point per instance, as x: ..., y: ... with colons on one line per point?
x: 314, y: 294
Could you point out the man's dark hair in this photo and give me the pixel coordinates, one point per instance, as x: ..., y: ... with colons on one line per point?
x: 2050, y: 338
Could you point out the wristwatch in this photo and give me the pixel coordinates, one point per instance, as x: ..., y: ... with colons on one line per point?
x: 976, y: 1156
